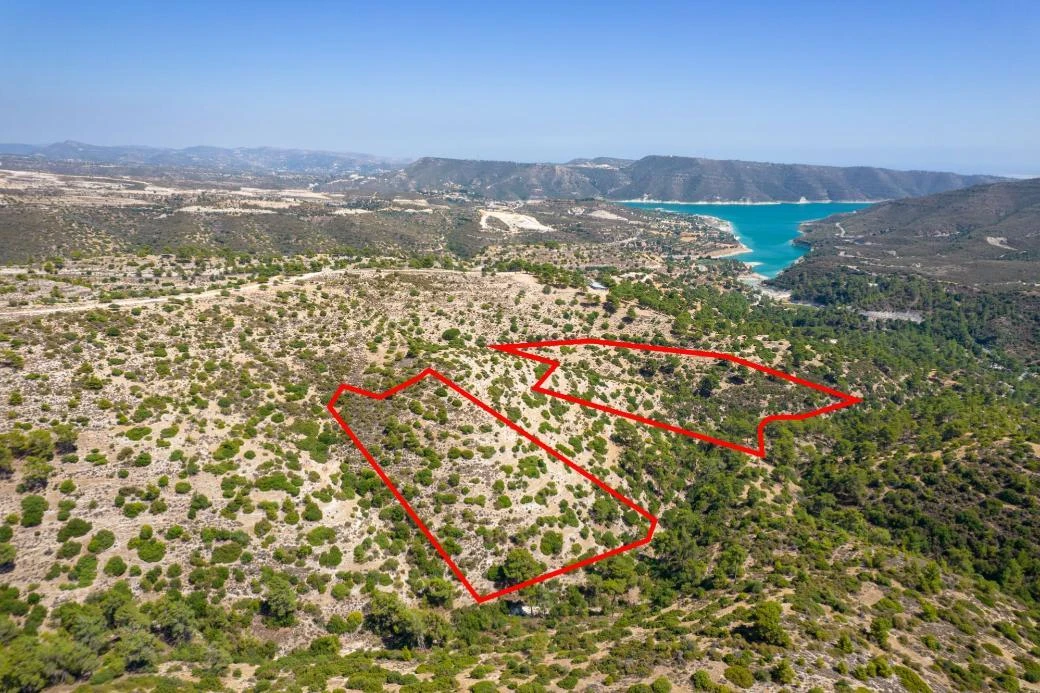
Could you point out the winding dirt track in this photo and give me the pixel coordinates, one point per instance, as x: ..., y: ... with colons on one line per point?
x: 212, y: 294
x: 33, y: 311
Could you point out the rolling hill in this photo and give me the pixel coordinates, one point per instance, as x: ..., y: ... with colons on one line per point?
x: 987, y: 235
x: 674, y: 178
x: 237, y: 160
x: 652, y: 177
x: 967, y: 261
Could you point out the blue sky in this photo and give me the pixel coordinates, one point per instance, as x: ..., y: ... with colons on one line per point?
x: 912, y: 84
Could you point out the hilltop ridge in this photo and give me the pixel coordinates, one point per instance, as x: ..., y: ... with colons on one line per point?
x: 677, y: 178
x: 654, y: 177
x: 236, y: 160
x: 973, y: 252
x: 986, y: 235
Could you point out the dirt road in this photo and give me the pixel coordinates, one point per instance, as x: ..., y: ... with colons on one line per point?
x: 210, y: 294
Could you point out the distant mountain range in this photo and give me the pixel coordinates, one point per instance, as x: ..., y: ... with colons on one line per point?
x: 677, y: 178
x: 652, y: 177
x: 238, y: 160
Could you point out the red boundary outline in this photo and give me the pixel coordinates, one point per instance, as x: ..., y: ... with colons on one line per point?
x: 480, y: 598
x: 520, y: 349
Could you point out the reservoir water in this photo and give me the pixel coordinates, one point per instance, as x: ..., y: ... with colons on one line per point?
x: 766, y: 229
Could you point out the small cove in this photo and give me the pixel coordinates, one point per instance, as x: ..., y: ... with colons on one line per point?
x: 766, y: 229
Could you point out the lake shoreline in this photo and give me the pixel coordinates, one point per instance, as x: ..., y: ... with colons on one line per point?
x: 747, y: 203
x: 729, y: 252
x: 765, y: 235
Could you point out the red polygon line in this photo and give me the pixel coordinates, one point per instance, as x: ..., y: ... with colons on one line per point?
x: 520, y: 349
x: 481, y: 598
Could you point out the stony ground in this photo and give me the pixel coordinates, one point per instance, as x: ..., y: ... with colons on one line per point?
x: 199, y: 453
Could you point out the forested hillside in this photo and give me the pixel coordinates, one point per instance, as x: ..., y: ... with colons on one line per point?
x: 180, y: 510
x: 972, y: 256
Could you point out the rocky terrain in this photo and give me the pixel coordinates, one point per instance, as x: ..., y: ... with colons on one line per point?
x: 181, y: 511
x: 176, y: 453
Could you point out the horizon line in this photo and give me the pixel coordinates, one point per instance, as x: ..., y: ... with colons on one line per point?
x: 410, y: 159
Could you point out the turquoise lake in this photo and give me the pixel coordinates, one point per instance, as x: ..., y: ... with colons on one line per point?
x: 766, y: 229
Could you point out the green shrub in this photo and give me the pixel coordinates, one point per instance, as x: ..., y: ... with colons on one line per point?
x: 766, y: 626
x: 402, y: 626
x: 149, y: 550
x: 338, y: 625
x: 551, y: 543
x: 69, y: 549
x: 354, y: 620
x: 911, y: 681
x: 85, y: 570
x: 279, y: 603
x: 101, y: 541
x: 33, y: 508
x: 138, y: 432
x: 134, y: 509
x: 227, y: 450
x: 331, y: 558
x: 701, y: 681
x: 226, y: 553
x: 782, y: 672
x: 661, y: 685
x: 321, y: 535
x: 115, y: 566
x: 739, y: 676
x: 75, y: 527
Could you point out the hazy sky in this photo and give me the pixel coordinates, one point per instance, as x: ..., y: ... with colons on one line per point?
x: 909, y: 84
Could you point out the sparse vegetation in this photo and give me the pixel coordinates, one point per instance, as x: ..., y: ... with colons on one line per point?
x: 178, y: 500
